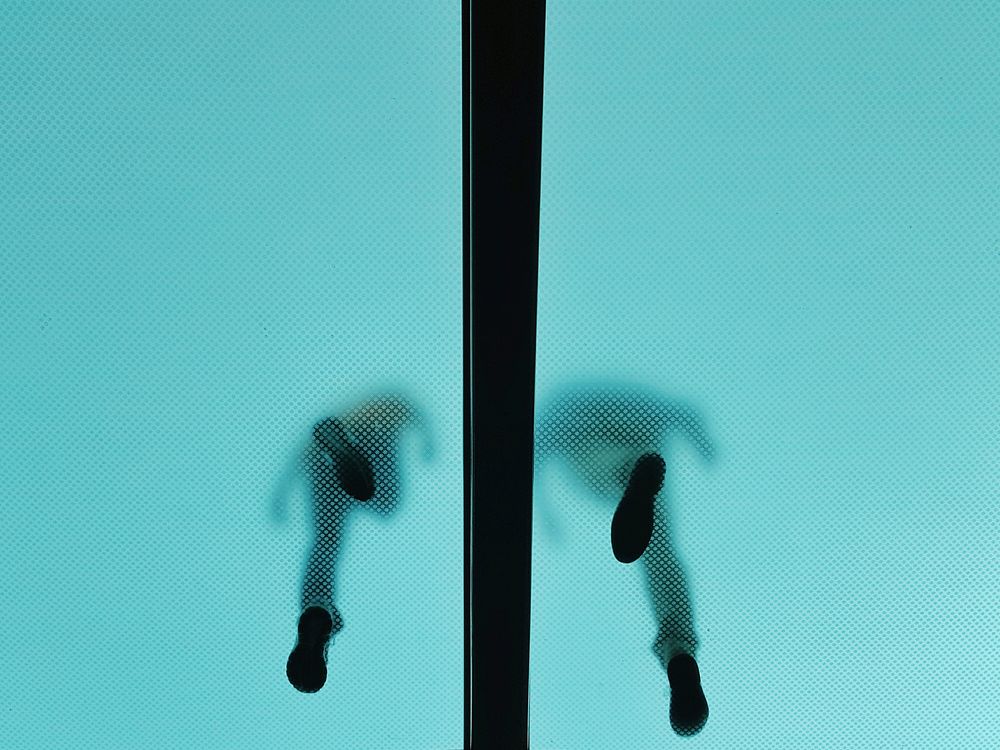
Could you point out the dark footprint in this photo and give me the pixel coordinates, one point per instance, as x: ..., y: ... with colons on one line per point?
x: 688, y: 707
x: 632, y: 525
x: 354, y: 471
x: 355, y: 474
x: 306, y: 668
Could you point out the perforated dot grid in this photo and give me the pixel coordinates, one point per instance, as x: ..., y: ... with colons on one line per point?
x: 351, y: 463
x: 784, y: 216
x: 601, y: 432
x: 221, y: 223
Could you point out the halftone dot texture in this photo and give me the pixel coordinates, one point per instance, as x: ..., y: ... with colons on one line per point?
x: 785, y: 217
x: 600, y: 432
x: 222, y: 223
x: 365, y: 442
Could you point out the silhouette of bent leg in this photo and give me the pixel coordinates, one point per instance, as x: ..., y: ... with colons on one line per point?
x: 319, y: 619
x: 675, y: 643
x: 347, y: 459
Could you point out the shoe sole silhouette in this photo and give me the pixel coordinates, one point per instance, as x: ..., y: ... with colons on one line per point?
x: 632, y: 525
x: 688, y: 707
x: 354, y: 470
x: 306, y: 667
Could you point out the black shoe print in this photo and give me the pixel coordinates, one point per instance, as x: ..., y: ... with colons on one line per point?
x: 632, y: 525
x: 306, y: 668
x: 354, y: 470
x: 688, y: 707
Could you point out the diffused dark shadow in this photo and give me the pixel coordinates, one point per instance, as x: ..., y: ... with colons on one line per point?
x: 350, y: 462
x: 600, y: 432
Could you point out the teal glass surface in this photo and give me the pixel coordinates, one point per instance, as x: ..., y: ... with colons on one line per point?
x: 221, y: 223
x: 783, y: 218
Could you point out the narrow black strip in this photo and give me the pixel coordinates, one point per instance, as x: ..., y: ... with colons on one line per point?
x: 504, y: 173
x: 467, y: 372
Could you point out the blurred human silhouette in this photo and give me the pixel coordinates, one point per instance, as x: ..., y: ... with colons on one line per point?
x: 613, y: 439
x: 350, y: 461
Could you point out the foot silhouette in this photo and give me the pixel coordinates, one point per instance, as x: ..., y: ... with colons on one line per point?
x: 688, y: 707
x: 354, y: 470
x: 632, y: 525
x: 306, y: 668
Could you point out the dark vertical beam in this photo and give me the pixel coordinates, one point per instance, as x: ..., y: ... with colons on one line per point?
x: 503, y: 138
x: 467, y: 366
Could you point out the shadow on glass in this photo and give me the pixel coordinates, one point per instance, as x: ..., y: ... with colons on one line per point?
x: 351, y: 462
x: 614, y: 440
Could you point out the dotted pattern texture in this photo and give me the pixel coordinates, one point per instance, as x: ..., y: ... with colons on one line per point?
x: 785, y: 217
x: 371, y: 433
x: 222, y: 223
x: 601, y: 433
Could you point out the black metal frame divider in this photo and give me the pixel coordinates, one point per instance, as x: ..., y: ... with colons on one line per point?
x: 502, y: 81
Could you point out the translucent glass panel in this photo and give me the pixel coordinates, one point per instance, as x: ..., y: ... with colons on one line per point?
x: 769, y: 254
x: 223, y: 224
